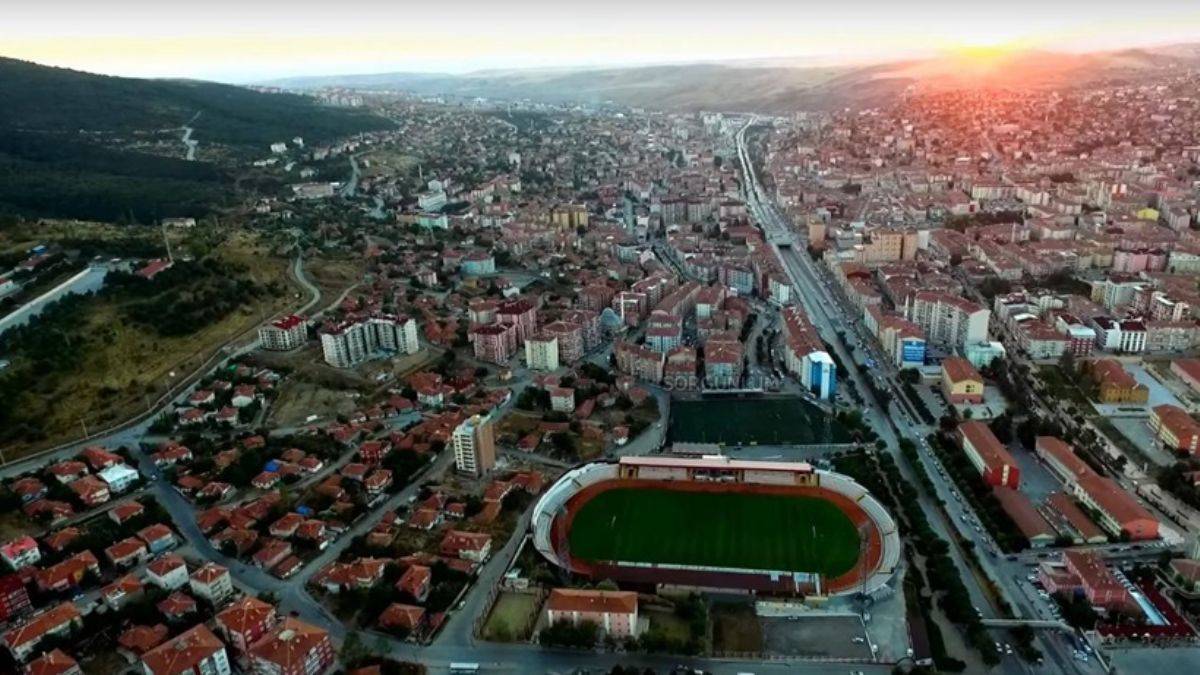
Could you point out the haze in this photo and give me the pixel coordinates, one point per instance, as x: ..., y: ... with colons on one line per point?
x: 246, y: 41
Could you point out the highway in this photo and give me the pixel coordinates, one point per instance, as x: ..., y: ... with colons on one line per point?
x: 829, y: 315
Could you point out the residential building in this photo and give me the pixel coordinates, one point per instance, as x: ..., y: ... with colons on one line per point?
x: 293, y: 648
x: 59, y: 620
x: 21, y: 552
x: 949, y: 320
x: 194, y: 652
x: 495, y: 343
x: 54, y: 662
x: 244, y: 622
x: 168, y: 572
x: 541, y: 352
x: 349, y: 343
x: 211, y: 582
x: 284, y: 334
x: 615, y: 612
x: 474, y: 442
x: 14, y: 597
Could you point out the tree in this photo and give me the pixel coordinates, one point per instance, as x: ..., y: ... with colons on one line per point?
x: 353, y: 651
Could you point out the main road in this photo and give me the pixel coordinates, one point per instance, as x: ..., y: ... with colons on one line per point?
x: 828, y: 315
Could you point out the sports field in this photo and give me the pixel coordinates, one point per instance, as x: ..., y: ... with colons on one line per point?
x: 754, y: 421
x: 715, y: 529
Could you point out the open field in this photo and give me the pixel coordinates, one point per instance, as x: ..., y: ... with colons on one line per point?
x: 721, y: 529
x: 512, y: 617
x: 753, y: 421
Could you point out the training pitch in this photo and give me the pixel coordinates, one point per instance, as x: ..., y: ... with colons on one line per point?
x: 754, y: 421
x: 731, y: 530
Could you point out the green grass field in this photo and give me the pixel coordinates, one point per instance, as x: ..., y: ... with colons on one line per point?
x: 754, y: 421
x: 733, y: 530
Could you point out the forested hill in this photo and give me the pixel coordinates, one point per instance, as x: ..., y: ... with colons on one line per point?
x: 78, y: 145
x: 41, y: 98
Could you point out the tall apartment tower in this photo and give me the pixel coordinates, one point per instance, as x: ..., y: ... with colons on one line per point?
x: 475, y: 446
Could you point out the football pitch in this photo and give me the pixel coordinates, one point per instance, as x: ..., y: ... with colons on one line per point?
x: 754, y: 421
x: 722, y: 529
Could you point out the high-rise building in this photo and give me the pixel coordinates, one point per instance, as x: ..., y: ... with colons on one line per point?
x: 285, y: 334
x: 348, y: 344
x: 475, y: 446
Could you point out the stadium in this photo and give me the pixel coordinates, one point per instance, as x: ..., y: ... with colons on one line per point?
x: 714, y: 522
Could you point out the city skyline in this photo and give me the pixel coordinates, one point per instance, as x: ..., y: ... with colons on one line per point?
x: 234, y: 43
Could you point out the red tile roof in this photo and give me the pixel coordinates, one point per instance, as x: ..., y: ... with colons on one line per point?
x: 580, y: 600
x: 289, y: 644
x: 183, y: 653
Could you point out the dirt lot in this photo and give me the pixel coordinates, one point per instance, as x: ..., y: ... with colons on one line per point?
x: 736, y: 629
x: 299, y: 400
x: 816, y: 635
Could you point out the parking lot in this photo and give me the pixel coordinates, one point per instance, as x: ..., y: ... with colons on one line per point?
x: 815, y: 636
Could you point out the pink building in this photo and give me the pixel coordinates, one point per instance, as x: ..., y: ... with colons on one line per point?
x: 615, y: 612
x: 495, y: 343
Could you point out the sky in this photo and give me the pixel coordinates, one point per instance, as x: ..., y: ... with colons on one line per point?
x: 253, y: 40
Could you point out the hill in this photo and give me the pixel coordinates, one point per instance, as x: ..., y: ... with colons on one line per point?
x: 776, y: 86
x: 80, y: 145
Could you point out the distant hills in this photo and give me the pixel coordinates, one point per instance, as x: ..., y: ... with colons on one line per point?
x: 74, y: 144
x: 772, y: 86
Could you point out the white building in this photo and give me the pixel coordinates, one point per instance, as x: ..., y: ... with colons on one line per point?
x: 118, y: 477
x: 949, y: 320
x: 541, y: 352
x: 212, y: 583
x: 474, y: 444
x: 348, y: 344
x: 285, y: 334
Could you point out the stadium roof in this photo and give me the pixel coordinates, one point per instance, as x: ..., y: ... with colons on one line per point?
x: 717, y: 462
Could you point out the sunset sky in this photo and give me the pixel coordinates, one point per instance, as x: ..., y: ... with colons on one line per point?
x: 245, y: 40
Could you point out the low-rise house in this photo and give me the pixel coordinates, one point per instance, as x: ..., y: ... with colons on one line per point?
x: 211, y: 582
x: 122, y: 513
x: 293, y: 648
x: 158, y: 537
x: 271, y: 553
x: 118, y: 478
x: 54, y: 662
x: 194, y: 652
x: 176, y: 606
x: 140, y: 639
x: 416, y: 582
x: 120, y: 592
x: 400, y: 617
x: 59, y: 620
x: 68, y: 471
x: 68, y: 573
x: 127, y: 552
x: 472, y: 546
x: 168, y: 572
x: 362, y: 573
x: 90, y: 490
x: 21, y: 552
x: 615, y: 612
x: 245, y: 621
